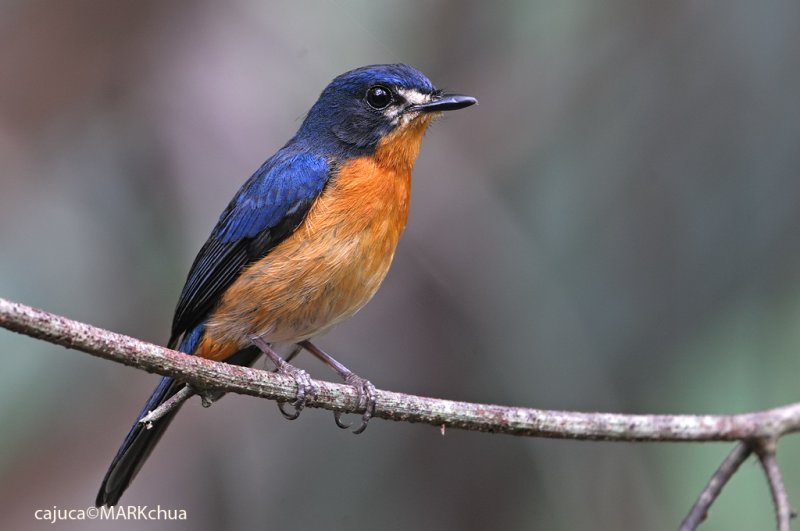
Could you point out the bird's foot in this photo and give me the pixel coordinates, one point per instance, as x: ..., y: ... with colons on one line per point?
x: 305, y: 388
x: 366, y: 393
x: 367, y: 396
x: 305, y: 385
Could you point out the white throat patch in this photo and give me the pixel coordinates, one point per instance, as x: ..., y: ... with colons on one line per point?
x: 401, y: 116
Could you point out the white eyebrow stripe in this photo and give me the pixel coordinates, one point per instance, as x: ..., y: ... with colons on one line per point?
x: 414, y: 97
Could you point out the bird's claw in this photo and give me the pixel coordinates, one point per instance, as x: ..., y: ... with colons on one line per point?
x: 366, y: 395
x: 337, y: 418
x: 305, y: 388
x: 286, y: 414
x: 305, y: 385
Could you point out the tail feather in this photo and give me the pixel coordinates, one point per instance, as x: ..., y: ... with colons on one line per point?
x: 137, y: 446
x: 140, y: 441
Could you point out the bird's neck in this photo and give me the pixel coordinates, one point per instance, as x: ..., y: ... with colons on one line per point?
x: 398, y: 150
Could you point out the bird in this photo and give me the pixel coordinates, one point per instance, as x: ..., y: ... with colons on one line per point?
x: 302, y: 246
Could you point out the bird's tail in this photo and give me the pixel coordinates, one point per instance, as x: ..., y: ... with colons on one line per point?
x: 137, y: 445
x: 140, y: 440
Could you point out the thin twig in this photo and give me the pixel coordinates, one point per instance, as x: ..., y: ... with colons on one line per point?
x: 711, y: 492
x: 171, y: 403
x: 780, y: 499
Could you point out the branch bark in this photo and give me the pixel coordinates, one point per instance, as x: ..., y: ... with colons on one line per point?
x: 726, y: 470
x: 766, y: 455
x: 202, y: 374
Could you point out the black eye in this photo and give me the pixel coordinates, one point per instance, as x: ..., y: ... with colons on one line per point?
x: 379, y: 97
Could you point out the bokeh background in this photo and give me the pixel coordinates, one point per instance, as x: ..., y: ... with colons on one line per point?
x: 615, y: 227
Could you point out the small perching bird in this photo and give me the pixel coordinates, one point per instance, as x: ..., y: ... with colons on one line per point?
x: 303, y: 245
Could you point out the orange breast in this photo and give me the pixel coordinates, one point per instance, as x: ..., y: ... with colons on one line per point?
x: 332, y: 264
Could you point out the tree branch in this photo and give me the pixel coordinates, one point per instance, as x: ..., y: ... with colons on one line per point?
x: 210, y: 375
x: 766, y: 455
x: 726, y: 470
x: 206, y: 375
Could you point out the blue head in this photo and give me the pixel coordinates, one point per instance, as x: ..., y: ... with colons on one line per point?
x: 362, y: 106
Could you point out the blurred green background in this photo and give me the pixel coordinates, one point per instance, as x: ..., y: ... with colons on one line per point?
x: 615, y: 227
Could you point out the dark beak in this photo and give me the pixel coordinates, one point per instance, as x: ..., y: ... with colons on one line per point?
x: 445, y: 102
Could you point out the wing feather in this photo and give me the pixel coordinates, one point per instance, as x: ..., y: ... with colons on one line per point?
x: 266, y: 210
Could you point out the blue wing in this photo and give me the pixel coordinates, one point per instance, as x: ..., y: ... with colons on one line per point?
x: 267, y: 209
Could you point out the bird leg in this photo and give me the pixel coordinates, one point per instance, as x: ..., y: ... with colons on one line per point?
x: 305, y: 385
x: 367, y: 395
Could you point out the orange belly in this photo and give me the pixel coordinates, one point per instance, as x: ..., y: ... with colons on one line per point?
x: 332, y: 264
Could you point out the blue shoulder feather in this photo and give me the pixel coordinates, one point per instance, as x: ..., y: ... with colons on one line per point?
x: 277, y: 190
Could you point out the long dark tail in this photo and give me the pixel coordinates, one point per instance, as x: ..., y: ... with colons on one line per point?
x: 140, y: 441
x: 137, y: 446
